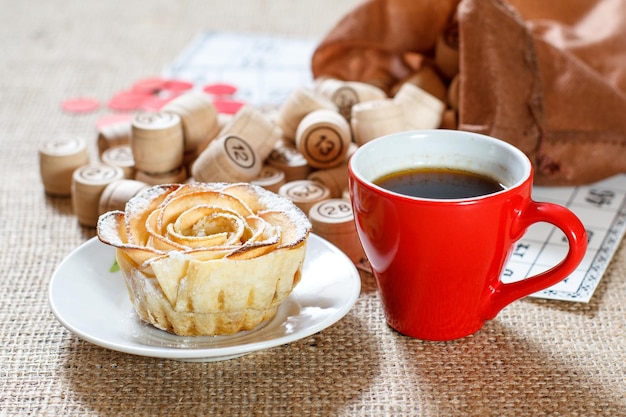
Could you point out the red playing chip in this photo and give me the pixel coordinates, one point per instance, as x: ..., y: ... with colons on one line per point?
x: 128, y: 100
x: 80, y: 105
x: 149, y: 85
x: 155, y: 103
x: 220, y: 89
x: 228, y: 106
x: 114, y: 118
x: 177, y: 85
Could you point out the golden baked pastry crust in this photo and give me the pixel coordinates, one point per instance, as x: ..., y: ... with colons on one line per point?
x: 207, y: 259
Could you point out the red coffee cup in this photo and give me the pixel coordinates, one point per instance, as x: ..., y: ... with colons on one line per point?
x: 438, y: 262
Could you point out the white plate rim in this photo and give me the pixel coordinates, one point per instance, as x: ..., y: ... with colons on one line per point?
x: 315, y: 244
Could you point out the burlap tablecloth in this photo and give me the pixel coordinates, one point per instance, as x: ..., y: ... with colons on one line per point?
x: 537, y: 358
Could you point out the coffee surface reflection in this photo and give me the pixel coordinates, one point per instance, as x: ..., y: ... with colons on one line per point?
x: 439, y: 183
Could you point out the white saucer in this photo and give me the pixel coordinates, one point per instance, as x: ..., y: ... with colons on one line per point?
x: 93, y: 303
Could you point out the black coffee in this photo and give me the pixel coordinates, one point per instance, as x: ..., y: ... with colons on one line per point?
x: 439, y: 183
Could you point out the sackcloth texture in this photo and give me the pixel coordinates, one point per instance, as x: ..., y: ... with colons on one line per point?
x: 537, y: 358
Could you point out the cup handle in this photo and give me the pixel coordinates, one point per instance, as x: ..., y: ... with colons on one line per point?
x: 502, y: 294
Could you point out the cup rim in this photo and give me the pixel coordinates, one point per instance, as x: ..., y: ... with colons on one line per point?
x: 355, y: 172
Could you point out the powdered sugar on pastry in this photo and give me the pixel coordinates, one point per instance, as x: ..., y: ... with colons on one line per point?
x: 207, y: 258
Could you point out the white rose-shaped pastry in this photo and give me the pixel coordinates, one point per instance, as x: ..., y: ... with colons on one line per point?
x: 207, y: 259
